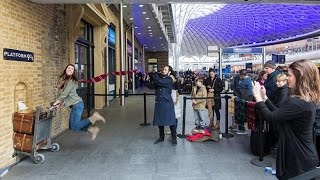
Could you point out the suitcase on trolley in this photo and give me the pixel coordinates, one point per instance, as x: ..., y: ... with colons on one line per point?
x: 22, y: 142
x: 24, y: 122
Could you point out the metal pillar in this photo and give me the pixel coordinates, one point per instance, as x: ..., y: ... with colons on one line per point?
x: 220, y: 63
x: 263, y: 56
x: 133, y: 59
x: 144, y: 62
x: 122, y: 55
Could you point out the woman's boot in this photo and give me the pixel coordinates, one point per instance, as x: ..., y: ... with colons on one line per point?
x: 93, y: 130
x: 217, y: 126
x: 96, y: 117
x: 161, y: 135
x: 174, y: 134
x: 211, y: 123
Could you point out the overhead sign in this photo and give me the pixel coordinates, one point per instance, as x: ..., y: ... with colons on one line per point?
x: 242, y: 51
x: 17, y: 55
x: 213, y: 51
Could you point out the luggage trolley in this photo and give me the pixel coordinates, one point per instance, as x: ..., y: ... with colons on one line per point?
x: 41, y: 136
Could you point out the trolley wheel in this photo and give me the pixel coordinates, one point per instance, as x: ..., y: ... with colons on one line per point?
x: 55, y: 147
x: 39, y: 158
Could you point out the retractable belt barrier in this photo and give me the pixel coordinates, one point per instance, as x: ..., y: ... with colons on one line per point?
x: 226, y: 97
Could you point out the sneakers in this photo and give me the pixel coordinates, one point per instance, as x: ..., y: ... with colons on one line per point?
x: 93, y: 130
x: 96, y: 117
x: 242, y: 132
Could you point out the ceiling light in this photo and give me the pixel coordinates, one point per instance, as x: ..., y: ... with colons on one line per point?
x: 154, y: 47
x: 150, y: 30
x: 124, y: 6
x: 141, y: 5
x: 149, y: 27
x: 150, y: 33
x: 139, y: 33
x: 144, y: 12
x: 147, y: 18
x: 136, y: 27
x: 162, y: 44
x: 160, y: 37
x: 131, y: 19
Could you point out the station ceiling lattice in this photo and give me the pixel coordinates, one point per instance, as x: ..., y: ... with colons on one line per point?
x: 243, y: 24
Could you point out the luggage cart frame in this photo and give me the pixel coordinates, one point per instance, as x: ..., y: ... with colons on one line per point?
x: 41, y: 137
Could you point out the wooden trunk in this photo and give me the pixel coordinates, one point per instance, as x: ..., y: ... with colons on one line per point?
x: 23, y: 122
x: 22, y: 142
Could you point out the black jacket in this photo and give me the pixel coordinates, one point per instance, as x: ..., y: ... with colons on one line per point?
x: 296, y: 153
x: 282, y: 95
x: 217, y: 86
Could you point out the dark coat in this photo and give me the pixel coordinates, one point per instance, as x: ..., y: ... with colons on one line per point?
x: 282, y: 95
x: 271, y: 85
x: 296, y: 153
x: 244, y: 89
x: 217, y: 90
x: 164, y: 114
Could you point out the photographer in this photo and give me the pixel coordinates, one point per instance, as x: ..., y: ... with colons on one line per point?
x: 164, y: 114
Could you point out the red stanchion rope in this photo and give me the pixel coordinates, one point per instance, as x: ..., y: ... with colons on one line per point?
x: 103, y: 76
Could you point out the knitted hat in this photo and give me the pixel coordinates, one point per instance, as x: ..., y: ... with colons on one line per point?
x: 270, y: 64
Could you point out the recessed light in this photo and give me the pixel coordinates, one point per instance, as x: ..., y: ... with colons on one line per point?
x: 139, y: 33
x: 144, y: 12
x: 131, y: 19
x: 160, y: 37
x: 141, y: 5
x: 146, y: 47
x: 136, y: 27
x: 162, y: 44
x: 150, y: 33
x: 124, y: 6
x: 147, y: 18
x: 149, y: 27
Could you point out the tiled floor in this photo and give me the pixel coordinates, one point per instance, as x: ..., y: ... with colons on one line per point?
x: 125, y: 150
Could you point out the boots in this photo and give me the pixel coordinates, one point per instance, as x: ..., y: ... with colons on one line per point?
x: 211, y: 123
x: 96, y: 117
x: 161, y: 135
x: 173, y: 135
x: 93, y: 130
x: 217, y: 126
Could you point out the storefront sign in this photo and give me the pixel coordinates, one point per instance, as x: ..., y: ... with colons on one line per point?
x: 242, y: 51
x: 111, y: 36
x: 16, y: 55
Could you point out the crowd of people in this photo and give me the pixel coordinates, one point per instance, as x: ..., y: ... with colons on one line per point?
x: 286, y: 97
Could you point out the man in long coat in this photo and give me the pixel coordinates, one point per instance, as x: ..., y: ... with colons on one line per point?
x: 164, y: 114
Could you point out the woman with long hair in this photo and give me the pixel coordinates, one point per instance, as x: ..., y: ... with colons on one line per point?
x: 296, y: 153
x: 262, y: 77
x: 69, y: 97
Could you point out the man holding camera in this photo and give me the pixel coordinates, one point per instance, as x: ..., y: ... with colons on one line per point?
x: 164, y: 114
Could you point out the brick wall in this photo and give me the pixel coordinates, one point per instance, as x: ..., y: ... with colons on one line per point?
x: 42, y: 29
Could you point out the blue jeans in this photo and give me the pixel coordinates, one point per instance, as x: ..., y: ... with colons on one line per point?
x: 75, y: 118
x: 200, y: 117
